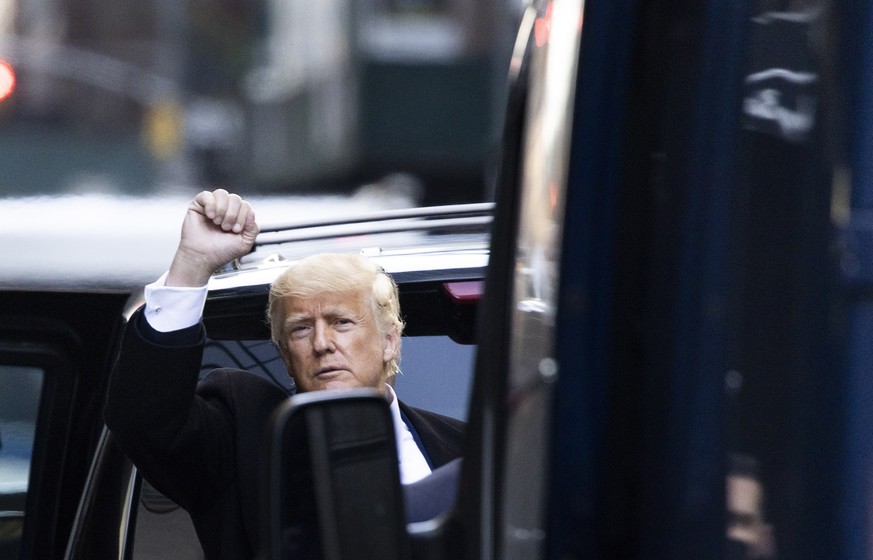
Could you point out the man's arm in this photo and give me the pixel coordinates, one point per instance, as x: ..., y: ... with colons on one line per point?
x: 151, y: 405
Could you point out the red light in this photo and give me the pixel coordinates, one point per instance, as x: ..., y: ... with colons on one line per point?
x: 543, y: 27
x: 464, y: 292
x: 7, y: 80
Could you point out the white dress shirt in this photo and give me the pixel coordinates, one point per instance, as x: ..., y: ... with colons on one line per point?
x: 413, y: 465
x: 170, y: 308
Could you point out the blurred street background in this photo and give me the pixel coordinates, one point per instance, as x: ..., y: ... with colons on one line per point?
x: 152, y: 97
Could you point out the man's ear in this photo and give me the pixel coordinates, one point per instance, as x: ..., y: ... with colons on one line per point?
x: 392, y: 343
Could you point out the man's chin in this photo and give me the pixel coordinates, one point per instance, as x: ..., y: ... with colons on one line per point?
x: 339, y: 379
x: 336, y: 385
x: 336, y: 379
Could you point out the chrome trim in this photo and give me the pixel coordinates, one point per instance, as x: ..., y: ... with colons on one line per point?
x: 399, y: 261
x: 85, y: 499
x: 325, y: 231
x: 411, y: 220
x: 124, y: 523
x: 80, y: 528
x: 399, y: 214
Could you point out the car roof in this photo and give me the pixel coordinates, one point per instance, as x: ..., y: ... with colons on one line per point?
x: 102, y: 243
x: 63, y: 245
x: 437, y: 256
x: 415, y: 243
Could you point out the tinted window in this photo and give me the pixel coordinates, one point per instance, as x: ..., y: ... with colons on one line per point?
x: 163, y: 529
x: 436, y: 376
x: 20, y: 390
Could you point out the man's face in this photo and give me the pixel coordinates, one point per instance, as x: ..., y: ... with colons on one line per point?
x: 331, y: 341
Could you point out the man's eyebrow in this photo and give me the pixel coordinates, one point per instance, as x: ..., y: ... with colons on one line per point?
x: 295, y: 318
x: 332, y: 312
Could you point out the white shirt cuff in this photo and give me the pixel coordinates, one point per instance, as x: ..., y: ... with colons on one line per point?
x: 173, y: 308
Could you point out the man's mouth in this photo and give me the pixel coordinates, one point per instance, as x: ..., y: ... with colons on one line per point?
x: 328, y: 371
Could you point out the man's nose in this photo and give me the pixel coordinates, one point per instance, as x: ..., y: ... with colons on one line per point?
x: 322, y: 339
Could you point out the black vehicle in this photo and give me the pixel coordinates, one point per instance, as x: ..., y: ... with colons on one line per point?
x: 675, y: 306
x: 82, y: 493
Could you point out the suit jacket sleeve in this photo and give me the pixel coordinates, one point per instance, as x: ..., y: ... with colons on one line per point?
x: 181, y: 443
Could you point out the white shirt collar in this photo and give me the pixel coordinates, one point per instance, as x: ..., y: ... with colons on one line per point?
x: 413, y: 465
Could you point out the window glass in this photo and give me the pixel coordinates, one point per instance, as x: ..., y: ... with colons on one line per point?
x: 437, y: 377
x: 437, y: 371
x: 437, y: 374
x: 20, y: 389
x: 163, y: 529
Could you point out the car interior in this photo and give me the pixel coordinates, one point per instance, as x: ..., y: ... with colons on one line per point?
x: 438, y: 352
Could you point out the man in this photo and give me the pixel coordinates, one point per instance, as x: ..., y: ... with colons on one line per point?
x: 336, y: 322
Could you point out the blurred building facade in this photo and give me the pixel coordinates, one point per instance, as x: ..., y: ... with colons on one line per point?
x: 263, y: 95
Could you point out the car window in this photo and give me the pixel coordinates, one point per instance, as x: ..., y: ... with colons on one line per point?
x: 20, y: 390
x: 163, y: 529
x: 436, y: 371
x: 437, y: 376
x: 258, y: 356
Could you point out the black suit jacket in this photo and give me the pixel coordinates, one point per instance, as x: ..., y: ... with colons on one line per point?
x: 201, y: 444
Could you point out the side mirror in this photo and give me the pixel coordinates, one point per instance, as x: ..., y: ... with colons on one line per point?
x: 333, y: 486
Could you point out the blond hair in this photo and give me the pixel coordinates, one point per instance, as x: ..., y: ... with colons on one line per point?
x: 339, y: 273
